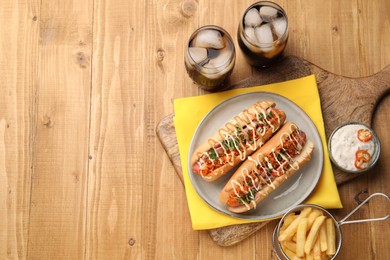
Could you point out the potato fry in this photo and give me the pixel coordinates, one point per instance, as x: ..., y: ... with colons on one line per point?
x: 294, y: 238
x: 324, y: 256
x: 292, y: 228
x: 331, y: 236
x: 323, y: 238
x: 301, y: 237
x: 283, y: 247
x: 312, y: 216
x: 287, y: 221
x: 317, y: 249
x: 290, y: 245
x: 310, y: 256
x: 290, y: 254
x: 313, y: 233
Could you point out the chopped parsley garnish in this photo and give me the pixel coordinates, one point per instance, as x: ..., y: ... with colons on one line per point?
x: 269, y: 115
x: 251, y: 196
x: 213, y: 154
x: 231, y: 143
x: 225, y: 145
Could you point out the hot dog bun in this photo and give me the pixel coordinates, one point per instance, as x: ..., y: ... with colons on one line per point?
x: 251, y: 165
x: 212, y: 166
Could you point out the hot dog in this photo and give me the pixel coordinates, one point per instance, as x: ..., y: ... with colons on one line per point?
x: 267, y: 169
x: 236, y: 140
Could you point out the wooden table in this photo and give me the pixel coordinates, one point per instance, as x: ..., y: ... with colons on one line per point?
x: 83, y: 86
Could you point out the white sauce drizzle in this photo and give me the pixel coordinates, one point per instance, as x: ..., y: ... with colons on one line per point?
x: 262, y: 162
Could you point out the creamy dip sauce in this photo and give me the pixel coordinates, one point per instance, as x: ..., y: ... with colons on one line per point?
x: 345, y: 143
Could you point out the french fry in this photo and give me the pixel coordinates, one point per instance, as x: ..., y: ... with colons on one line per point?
x: 290, y: 245
x: 313, y: 233
x: 290, y: 254
x: 331, y: 236
x: 283, y: 247
x: 324, y: 256
x: 312, y: 216
x: 317, y: 249
x: 310, y: 256
x: 287, y: 221
x: 323, y: 238
x: 301, y: 237
x: 292, y: 228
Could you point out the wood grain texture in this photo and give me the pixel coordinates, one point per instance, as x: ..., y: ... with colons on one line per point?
x: 60, y: 143
x: 83, y: 86
x: 18, y: 65
x: 115, y: 193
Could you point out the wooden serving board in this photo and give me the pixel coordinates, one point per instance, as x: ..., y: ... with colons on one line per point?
x: 342, y: 99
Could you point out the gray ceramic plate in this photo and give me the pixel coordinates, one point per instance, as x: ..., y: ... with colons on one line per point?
x: 293, y: 191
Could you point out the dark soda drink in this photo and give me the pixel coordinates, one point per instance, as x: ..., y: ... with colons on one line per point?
x: 210, y: 57
x: 263, y: 33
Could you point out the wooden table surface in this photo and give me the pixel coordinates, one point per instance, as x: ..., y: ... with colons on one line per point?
x: 83, y: 86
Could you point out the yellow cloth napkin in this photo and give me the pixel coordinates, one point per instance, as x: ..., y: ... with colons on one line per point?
x: 190, y: 111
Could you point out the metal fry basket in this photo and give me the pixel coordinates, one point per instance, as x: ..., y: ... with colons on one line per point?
x: 280, y: 254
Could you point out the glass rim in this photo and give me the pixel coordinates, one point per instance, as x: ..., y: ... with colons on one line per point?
x: 264, y: 3
x: 206, y: 70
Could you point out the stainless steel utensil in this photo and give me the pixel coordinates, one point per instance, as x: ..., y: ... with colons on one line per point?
x: 339, y: 239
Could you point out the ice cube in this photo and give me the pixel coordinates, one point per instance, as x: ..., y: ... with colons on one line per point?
x: 280, y: 26
x: 220, y: 65
x: 212, y: 72
x: 220, y: 60
x: 252, y: 18
x: 250, y: 33
x: 264, y: 37
x: 209, y: 38
x: 268, y: 13
x: 198, y: 55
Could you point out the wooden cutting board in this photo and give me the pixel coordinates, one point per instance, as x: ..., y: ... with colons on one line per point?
x: 342, y: 99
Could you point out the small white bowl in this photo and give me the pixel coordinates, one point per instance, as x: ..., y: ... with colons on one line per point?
x: 374, y: 155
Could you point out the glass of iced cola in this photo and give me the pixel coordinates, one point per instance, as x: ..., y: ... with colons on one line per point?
x: 210, y: 57
x: 263, y: 33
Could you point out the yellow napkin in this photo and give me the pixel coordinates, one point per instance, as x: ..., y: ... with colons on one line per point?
x: 190, y: 111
